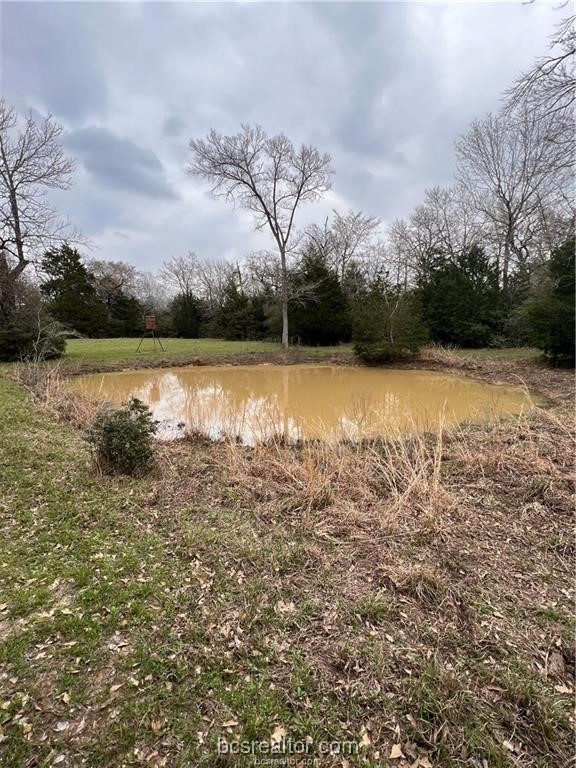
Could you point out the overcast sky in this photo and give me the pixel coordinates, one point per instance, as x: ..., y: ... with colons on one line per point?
x: 385, y: 88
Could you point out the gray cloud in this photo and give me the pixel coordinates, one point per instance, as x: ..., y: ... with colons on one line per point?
x: 173, y: 126
x: 119, y: 163
x: 384, y: 87
x: 49, y: 60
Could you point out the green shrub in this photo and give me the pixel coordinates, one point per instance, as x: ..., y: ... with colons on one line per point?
x: 551, y: 323
x: 23, y: 338
x: 547, y: 318
x: 387, y: 325
x: 122, y: 438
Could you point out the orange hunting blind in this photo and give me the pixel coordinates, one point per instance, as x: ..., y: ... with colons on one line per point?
x: 150, y: 321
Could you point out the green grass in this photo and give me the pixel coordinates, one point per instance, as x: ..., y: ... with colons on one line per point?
x: 110, y: 351
x: 124, y: 350
x: 505, y: 353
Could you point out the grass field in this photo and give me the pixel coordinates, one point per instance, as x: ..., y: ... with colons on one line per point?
x: 124, y: 350
x: 414, y: 601
x: 505, y: 353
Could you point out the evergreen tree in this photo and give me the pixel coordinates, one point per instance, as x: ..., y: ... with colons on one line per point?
x: 460, y: 298
x: 549, y: 319
x: 186, y: 316
x: 70, y: 293
x: 240, y: 316
x: 126, y: 315
x: 319, y: 309
x: 387, y: 324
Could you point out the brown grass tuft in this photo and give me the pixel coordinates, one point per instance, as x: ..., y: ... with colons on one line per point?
x: 50, y: 388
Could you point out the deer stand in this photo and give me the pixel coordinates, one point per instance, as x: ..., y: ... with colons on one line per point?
x: 155, y: 338
x: 150, y: 330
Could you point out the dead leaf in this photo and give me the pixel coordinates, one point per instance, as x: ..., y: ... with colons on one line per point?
x: 278, y: 734
x: 365, y: 740
x: 282, y: 607
x: 396, y: 752
x: 563, y: 689
x: 556, y: 665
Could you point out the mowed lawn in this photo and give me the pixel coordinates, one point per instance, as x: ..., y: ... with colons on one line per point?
x: 124, y: 350
x: 94, y: 351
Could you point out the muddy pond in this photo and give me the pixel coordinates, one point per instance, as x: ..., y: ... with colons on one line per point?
x: 257, y: 402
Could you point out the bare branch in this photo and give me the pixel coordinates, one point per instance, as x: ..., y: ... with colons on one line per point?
x: 31, y: 162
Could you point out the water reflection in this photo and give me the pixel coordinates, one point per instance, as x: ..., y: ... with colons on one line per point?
x: 256, y: 403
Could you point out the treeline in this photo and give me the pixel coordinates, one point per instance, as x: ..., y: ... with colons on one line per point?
x: 455, y: 299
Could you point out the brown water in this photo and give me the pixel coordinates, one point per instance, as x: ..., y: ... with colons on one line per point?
x: 257, y: 402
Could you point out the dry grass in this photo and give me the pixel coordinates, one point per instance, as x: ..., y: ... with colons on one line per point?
x: 50, y: 387
x: 436, y: 353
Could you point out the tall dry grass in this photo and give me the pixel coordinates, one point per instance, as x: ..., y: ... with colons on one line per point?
x: 51, y: 389
x: 390, y: 485
x: 437, y: 353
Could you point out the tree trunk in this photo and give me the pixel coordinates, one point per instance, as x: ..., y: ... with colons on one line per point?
x: 8, y: 279
x: 7, y: 296
x: 284, y: 299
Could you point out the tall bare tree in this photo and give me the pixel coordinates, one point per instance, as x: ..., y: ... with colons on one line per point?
x: 264, y: 272
x: 548, y: 90
x: 445, y: 222
x: 268, y: 176
x: 550, y: 86
x: 179, y: 272
x: 191, y: 275
x: 348, y: 237
x: 112, y: 278
x: 510, y: 171
x: 31, y: 162
x: 353, y: 235
x: 151, y: 291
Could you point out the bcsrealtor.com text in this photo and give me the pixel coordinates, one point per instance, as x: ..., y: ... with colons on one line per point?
x: 263, y: 750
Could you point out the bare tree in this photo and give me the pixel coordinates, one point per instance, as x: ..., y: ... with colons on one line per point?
x: 112, y: 278
x: 179, y: 272
x: 548, y: 90
x: 191, y: 275
x: 349, y: 237
x: 445, y: 222
x: 151, y: 291
x: 550, y: 86
x: 31, y: 162
x: 264, y: 271
x: 268, y: 176
x: 353, y: 236
x: 510, y: 171
x: 321, y: 237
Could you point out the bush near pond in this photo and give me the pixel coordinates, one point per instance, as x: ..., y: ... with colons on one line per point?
x: 387, y: 325
x: 122, y: 438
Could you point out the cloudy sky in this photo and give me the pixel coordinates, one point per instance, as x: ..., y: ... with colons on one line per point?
x: 385, y: 88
